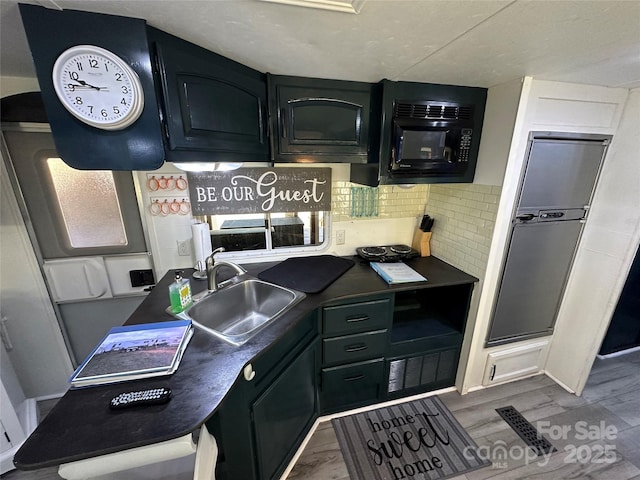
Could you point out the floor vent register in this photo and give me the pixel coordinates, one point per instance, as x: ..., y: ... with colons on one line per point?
x: 525, y: 430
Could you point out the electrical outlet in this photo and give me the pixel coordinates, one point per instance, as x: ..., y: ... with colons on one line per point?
x: 340, y: 237
x: 184, y: 248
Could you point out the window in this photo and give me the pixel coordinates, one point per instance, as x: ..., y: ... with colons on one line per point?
x: 257, y: 231
x: 74, y: 213
x: 88, y: 205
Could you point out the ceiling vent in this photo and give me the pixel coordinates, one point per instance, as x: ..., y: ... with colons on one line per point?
x: 427, y: 110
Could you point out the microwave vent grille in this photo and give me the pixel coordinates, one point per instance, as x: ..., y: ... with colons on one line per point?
x: 443, y: 111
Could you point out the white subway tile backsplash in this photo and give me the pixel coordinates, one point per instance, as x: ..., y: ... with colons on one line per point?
x: 464, y: 219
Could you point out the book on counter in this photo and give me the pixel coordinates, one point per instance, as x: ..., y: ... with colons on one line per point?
x: 133, y: 352
x: 398, y: 272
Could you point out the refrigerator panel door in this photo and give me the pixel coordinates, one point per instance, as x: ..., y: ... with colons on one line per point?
x: 535, y: 272
x: 560, y: 174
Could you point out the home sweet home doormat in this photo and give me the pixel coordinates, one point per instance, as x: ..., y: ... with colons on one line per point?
x: 416, y: 440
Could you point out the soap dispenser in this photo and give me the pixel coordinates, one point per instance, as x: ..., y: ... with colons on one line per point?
x: 180, y: 293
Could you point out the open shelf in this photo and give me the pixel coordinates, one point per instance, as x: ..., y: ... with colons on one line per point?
x: 415, y: 324
x: 429, y: 319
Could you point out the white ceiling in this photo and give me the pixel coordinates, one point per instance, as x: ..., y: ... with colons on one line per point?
x: 460, y: 42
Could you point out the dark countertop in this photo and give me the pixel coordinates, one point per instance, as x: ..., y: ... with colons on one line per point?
x: 81, y: 425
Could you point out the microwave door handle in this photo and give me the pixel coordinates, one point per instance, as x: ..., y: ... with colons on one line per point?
x: 447, y: 154
x: 400, y: 145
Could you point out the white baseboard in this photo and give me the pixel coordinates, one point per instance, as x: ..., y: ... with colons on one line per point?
x: 49, y: 397
x: 27, y: 413
x: 6, y: 460
x: 619, y: 354
x: 570, y: 390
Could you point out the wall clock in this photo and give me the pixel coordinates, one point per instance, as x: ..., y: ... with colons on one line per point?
x: 98, y: 87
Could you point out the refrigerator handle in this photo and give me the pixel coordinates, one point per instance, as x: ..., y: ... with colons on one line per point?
x: 526, y: 217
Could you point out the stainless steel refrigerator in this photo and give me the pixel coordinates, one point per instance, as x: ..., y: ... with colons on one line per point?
x: 557, y: 186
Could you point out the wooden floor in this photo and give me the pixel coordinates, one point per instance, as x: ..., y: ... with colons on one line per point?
x: 612, y: 396
x: 610, y: 401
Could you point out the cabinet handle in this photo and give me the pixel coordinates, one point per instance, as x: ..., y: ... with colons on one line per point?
x: 493, y: 372
x: 249, y: 373
x: 283, y: 119
x: 355, y: 348
x: 354, y: 378
x: 357, y: 319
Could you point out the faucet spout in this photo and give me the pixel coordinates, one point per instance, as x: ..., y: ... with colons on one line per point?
x: 213, y: 272
x: 209, y: 263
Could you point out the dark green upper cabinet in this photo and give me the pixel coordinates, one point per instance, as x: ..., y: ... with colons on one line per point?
x: 316, y: 120
x: 215, y: 109
x: 50, y: 33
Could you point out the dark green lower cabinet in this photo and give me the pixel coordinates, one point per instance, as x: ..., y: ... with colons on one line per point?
x: 345, y: 355
x: 262, y: 422
x: 283, y: 414
x: 349, y: 386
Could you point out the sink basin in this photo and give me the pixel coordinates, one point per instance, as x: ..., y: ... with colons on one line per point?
x: 236, y: 312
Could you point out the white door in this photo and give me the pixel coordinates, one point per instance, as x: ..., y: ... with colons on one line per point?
x: 87, y: 234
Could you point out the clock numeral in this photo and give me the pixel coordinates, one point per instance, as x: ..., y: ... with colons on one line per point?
x: 103, y: 112
x: 78, y: 100
x: 79, y: 65
x: 106, y: 67
x: 93, y: 63
x: 118, y: 77
x: 123, y: 101
x: 71, y: 87
x: 125, y: 89
x: 116, y: 110
x: 90, y: 108
x: 74, y: 76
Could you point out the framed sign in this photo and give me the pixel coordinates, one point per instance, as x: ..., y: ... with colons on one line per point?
x: 260, y: 190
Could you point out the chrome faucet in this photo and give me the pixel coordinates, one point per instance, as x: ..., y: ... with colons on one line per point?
x: 213, y: 267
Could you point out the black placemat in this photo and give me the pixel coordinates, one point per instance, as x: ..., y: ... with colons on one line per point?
x: 307, y: 274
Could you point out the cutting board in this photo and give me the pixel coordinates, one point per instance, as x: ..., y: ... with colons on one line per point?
x: 307, y: 274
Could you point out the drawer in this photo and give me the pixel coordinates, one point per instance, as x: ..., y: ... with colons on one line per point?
x: 351, y: 385
x: 351, y: 348
x: 357, y: 317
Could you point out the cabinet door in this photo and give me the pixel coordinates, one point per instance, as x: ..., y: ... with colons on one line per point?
x: 320, y: 120
x: 283, y: 414
x: 215, y: 108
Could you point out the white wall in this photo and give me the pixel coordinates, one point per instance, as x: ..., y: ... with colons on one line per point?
x: 497, y: 130
x: 39, y: 357
x: 393, y: 226
x: 606, y: 252
x: 15, y: 85
x: 543, y: 106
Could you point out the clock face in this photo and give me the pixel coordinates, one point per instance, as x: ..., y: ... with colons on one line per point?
x: 98, y: 87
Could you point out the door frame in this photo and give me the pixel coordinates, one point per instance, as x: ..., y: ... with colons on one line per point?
x: 28, y: 221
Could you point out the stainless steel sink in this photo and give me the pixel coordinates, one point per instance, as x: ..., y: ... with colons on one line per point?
x: 236, y: 312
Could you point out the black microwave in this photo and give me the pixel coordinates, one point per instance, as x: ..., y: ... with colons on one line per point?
x: 430, y: 138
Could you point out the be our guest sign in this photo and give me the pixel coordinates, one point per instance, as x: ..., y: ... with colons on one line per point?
x: 260, y: 190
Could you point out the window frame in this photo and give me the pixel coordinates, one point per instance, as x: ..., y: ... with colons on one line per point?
x: 38, y: 194
x: 276, y: 252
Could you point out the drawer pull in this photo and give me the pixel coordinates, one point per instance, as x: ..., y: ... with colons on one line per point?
x: 355, y: 348
x: 354, y: 378
x: 357, y: 319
